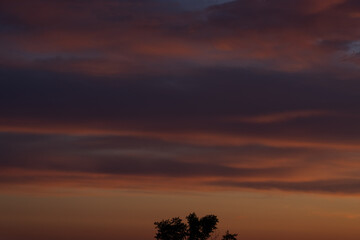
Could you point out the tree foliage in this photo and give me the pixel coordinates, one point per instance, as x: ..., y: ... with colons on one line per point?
x: 229, y: 236
x: 200, y: 229
x: 171, y: 229
x: 195, y: 229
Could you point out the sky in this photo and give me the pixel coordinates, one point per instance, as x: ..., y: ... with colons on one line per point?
x: 115, y: 114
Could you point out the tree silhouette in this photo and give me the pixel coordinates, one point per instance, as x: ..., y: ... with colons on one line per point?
x: 200, y: 229
x: 195, y: 229
x: 229, y: 236
x: 173, y: 229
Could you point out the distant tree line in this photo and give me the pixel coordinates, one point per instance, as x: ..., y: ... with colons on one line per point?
x: 195, y: 228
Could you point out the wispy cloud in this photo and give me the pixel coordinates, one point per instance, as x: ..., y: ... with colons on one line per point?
x: 206, y: 91
x: 281, y: 117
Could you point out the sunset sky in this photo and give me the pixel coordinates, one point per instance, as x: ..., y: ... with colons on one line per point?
x: 118, y: 113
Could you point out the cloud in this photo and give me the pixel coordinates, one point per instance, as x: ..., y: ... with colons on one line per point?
x: 135, y: 162
x: 199, y: 5
x: 263, y: 94
x: 75, y: 155
x: 107, y: 37
x: 280, y: 117
x: 179, y: 108
x: 330, y: 186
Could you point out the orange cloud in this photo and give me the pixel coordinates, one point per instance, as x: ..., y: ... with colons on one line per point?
x: 220, y: 77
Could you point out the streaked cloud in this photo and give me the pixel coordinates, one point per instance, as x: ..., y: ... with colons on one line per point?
x: 280, y: 117
x: 330, y: 186
x: 247, y: 94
